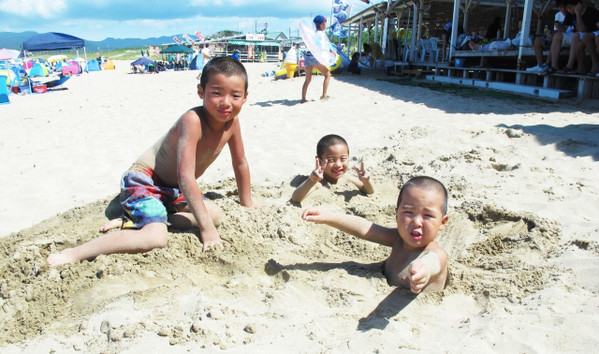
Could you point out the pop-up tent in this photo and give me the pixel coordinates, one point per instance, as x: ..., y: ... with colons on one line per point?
x: 109, y: 65
x: 39, y: 70
x: 92, y: 65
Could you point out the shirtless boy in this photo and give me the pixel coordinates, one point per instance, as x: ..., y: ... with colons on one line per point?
x: 416, y: 260
x: 152, y: 190
x: 332, y: 161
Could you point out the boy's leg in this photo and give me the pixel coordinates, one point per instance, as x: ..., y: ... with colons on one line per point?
x: 184, y: 219
x: 114, y: 223
x: 308, y: 71
x: 121, y: 241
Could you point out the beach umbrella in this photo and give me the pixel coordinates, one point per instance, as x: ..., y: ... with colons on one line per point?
x: 8, y: 54
x: 58, y: 57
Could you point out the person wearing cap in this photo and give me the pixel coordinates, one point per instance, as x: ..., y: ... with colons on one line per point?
x: 310, y: 61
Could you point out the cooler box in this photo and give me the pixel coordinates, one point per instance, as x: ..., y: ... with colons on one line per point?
x: 40, y: 89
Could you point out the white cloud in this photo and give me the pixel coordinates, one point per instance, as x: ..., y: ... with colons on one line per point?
x: 33, y: 8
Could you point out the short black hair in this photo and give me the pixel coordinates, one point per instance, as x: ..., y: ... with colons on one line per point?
x: 427, y: 183
x: 226, y: 66
x: 329, y: 140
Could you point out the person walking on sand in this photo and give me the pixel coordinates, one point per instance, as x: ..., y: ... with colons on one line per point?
x: 310, y: 61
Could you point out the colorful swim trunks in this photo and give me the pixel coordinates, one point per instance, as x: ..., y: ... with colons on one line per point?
x: 143, y: 201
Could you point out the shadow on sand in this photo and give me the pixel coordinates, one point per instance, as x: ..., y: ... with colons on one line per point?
x: 575, y: 140
x: 505, y: 103
x: 378, y: 318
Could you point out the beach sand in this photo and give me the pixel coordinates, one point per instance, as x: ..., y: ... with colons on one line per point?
x: 523, y: 235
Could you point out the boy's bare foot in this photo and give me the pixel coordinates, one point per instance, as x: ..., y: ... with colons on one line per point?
x: 64, y: 257
x: 325, y: 98
x: 114, y: 223
x: 303, y: 100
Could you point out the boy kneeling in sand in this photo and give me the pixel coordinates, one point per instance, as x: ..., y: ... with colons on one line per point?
x: 152, y: 190
x: 332, y: 161
x: 416, y: 260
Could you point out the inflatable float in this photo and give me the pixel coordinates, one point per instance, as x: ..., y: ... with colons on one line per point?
x: 320, y: 47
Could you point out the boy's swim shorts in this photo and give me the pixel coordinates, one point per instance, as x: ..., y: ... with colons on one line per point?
x: 143, y: 201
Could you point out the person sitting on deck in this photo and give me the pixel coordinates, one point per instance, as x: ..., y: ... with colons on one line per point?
x: 563, y: 30
x: 586, y: 18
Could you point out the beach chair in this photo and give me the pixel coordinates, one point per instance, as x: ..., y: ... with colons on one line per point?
x: 56, y: 84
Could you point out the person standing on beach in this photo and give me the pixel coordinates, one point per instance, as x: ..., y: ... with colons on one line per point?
x: 310, y: 61
x: 161, y: 187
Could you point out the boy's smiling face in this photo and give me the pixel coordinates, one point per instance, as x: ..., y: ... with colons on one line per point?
x: 419, y: 216
x: 223, y: 96
x: 336, y: 161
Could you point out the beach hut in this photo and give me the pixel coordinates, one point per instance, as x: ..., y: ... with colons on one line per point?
x: 39, y: 70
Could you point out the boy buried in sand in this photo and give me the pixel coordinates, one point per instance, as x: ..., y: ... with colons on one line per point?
x: 167, y: 171
x: 416, y: 260
x: 332, y: 161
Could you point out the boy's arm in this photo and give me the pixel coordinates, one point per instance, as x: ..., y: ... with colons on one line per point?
x: 240, y: 165
x: 189, y: 134
x: 354, y: 225
x: 427, y: 269
x: 303, y: 189
x: 363, y: 182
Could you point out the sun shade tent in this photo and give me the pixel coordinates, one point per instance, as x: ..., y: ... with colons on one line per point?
x: 177, y: 49
x: 39, y: 70
x: 54, y: 41
x: 93, y: 65
x: 143, y: 61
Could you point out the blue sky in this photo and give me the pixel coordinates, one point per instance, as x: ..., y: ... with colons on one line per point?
x: 98, y: 19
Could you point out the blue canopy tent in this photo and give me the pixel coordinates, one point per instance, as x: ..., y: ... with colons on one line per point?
x: 146, y: 62
x: 54, y: 41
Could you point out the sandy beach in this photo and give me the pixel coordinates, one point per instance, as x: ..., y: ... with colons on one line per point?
x: 523, y: 234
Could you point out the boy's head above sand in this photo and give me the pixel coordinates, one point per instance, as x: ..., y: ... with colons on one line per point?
x: 421, y: 211
x: 223, y: 88
x: 333, y: 153
x: 225, y: 66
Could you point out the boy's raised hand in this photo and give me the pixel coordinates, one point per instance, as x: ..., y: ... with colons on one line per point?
x: 419, y: 276
x: 363, y: 175
x: 318, y: 173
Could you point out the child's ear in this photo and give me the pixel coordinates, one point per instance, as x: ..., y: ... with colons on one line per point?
x: 443, y: 222
x: 245, y: 97
x: 200, y: 91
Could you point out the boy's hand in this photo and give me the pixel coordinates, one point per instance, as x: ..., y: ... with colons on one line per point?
x: 210, y: 238
x: 419, y: 276
x: 318, y: 173
x: 313, y: 215
x: 363, y: 175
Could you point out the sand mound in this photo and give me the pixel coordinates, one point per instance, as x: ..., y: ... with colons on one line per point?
x: 272, y: 258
